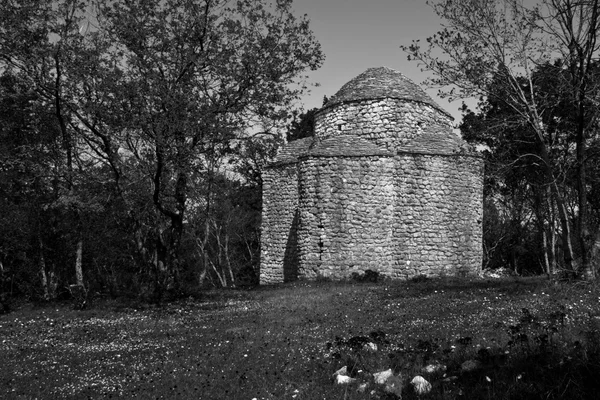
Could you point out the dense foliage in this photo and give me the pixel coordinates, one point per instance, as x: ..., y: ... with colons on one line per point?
x: 520, y: 220
x: 132, y: 133
x: 535, y: 69
x: 303, y: 125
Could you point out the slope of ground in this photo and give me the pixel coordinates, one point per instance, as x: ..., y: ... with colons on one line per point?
x: 528, y: 339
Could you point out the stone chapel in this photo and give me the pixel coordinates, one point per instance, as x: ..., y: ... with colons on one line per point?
x: 384, y: 185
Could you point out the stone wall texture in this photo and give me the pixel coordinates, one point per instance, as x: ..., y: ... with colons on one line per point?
x: 346, y: 205
x: 389, y: 123
x: 385, y: 185
x: 437, y: 224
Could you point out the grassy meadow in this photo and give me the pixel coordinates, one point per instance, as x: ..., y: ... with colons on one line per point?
x: 530, y: 339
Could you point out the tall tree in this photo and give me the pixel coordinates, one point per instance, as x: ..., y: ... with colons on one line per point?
x: 40, y: 43
x: 157, y: 90
x: 501, y: 42
x: 28, y: 158
x: 572, y: 28
x: 515, y: 187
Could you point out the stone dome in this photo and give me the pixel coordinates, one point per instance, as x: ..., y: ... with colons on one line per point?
x: 382, y: 82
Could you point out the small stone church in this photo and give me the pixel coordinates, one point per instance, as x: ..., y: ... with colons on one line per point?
x: 384, y: 185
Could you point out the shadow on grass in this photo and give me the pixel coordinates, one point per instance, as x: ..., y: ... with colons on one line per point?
x: 454, y: 286
x: 545, y: 359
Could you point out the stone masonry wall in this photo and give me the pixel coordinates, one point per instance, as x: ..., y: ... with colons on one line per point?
x: 437, y: 223
x: 390, y: 123
x: 346, y: 208
x: 384, y: 185
x: 279, y: 247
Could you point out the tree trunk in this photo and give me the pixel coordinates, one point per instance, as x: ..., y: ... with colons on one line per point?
x: 52, y: 284
x: 204, y: 242
x: 227, y: 258
x: 202, y: 275
x: 563, y: 215
x: 544, y: 213
x: 78, y: 290
x: 176, y: 231
x: 4, y: 297
x: 586, y: 269
x: 79, y: 263
x: 43, y: 276
x: 203, y: 249
x: 222, y: 279
x: 177, y: 225
x: 567, y: 246
x: 549, y: 244
x: 593, y: 266
x: 159, y: 265
x: 546, y: 252
x: 139, y: 241
x: 221, y: 274
x: 552, y: 232
x: 1, y: 277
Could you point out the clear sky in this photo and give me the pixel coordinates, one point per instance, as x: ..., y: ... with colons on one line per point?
x: 360, y: 34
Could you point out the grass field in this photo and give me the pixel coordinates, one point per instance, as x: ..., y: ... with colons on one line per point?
x: 530, y: 339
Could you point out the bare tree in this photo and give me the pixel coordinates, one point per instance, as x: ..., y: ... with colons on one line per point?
x: 491, y: 43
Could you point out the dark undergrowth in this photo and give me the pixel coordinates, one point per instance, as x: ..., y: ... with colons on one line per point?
x: 526, y: 338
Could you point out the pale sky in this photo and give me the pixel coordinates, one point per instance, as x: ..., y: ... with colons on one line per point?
x: 360, y: 34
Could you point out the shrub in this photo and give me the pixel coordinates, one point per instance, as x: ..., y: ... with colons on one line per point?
x: 368, y: 276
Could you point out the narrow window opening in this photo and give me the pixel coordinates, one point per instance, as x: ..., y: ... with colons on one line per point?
x: 320, y: 243
x: 320, y: 250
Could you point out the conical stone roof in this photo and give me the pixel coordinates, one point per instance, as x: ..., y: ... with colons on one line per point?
x: 382, y: 82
